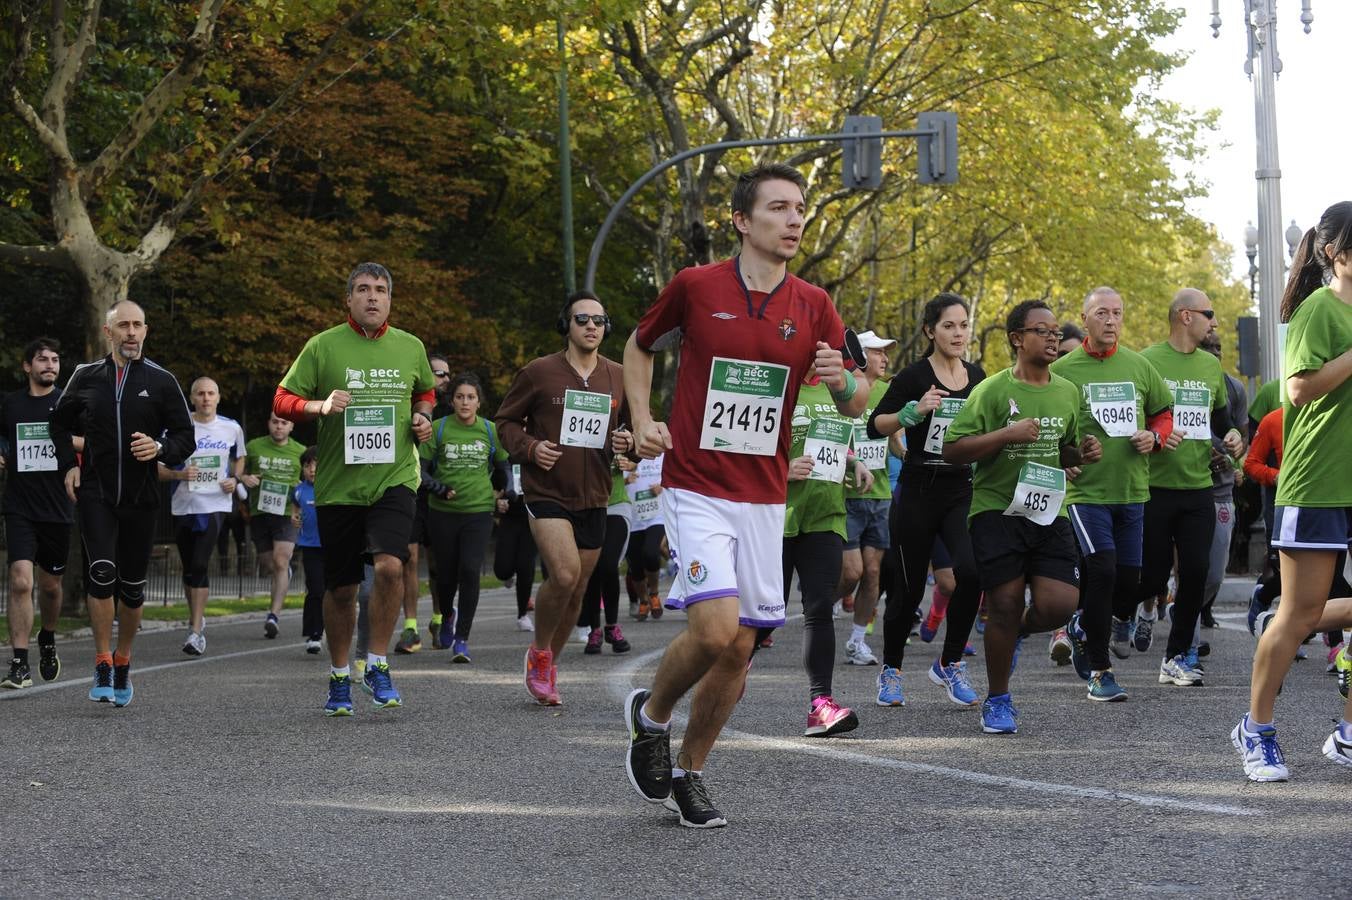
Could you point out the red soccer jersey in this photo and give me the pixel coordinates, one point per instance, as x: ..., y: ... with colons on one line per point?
x: 715, y: 315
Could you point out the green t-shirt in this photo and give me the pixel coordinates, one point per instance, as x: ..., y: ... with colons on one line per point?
x: 1198, y: 391
x: 1001, y: 400
x: 1265, y: 400
x: 874, y: 453
x: 1122, y: 391
x: 618, y: 495
x: 1316, y: 436
x: 278, y: 469
x: 369, y: 447
x: 812, y: 505
x: 460, y: 453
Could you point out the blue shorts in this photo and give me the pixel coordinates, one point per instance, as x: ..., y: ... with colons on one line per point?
x: 866, y: 524
x: 1312, y: 528
x: 1111, y: 526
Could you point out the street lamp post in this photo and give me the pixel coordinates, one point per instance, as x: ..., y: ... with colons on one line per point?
x: 1251, y: 251
x: 1260, y: 19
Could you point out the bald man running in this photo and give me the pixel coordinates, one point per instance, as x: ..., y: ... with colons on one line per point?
x: 203, y: 495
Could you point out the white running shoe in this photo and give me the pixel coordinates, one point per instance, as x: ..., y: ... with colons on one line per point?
x: 196, y: 644
x: 525, y: 624
x: 1338, y: 749
x: 580, y: 635
x: 1059, y: 648
x: 1177, y: 671
x: 857, y: 653
x: 1263, y: 760
x: 313, y: 646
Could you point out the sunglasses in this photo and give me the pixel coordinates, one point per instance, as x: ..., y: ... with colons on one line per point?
x: 441, y: 374
x: 599, y: 321
x: 1209, y: 313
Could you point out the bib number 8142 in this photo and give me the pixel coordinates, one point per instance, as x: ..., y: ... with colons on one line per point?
x: 584, y: 425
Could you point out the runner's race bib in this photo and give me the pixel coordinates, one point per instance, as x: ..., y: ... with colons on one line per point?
x: 368, y: 434
x: 1039, y: 493
x: 872, y: 453
x: 272, y: 497
x: 744, y: 408
x: 208, y: 475
x: 1192, y: 413
x: 35, y: 450
x: 515, y: 485
x: 943, y: 416
x: 646, y: 506
x: 585, y: 417
x: 1114, y: 407
x: 828, y: 443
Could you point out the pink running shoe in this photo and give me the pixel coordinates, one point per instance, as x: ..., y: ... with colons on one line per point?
x: 553, y: 698
x: 539, y: 675
x: 828, y: 717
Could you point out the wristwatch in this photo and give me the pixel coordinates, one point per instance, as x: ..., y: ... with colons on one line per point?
x: 1158, y: 443
x: 159, y: 448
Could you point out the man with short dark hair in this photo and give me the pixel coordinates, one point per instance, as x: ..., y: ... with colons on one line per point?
x: 562, y: 421
x: 370, y: 387
x: 750, y: 333
x: 272, y: 471
x: 37, y: 512
x: 132, y: 415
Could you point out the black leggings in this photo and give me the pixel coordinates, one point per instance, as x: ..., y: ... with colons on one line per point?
x: 1106, y: 590
x: 312, y: 619
x: 460, y: 541
x: 514, y: 557
x: 1185, y: 519
x: 604, y: 584
x: 817, y: 558
x: 645, y: 551
x: 930, y: 504
x: 117, y: 542
x: 196, y: 538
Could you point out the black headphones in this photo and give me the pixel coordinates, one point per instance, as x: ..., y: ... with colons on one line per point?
x: 561, y: 325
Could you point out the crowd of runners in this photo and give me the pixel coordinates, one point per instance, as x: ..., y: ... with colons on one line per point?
x: 1085, y: 492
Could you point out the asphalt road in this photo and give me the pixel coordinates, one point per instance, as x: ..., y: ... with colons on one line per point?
x: 225, y: 778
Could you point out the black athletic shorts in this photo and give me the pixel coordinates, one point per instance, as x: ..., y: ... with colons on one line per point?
x: 268, y: 528
x: 589, y: 525
x: 44, y: 543
x: 352, y: 535
x: 1010, y: 547
x: 117, y: 544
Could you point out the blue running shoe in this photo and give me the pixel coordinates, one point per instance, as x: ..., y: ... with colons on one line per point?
x: 953, y: 679
x: 1104, y: 688
x: 340, y: 696
x: 102, y: 691
x: 969, y: 650
x: 446, y: 637
x: 122, y: 689
x: 380, y: 687
x: 1191, y: 658
x: 1120, y: 642
x: 889, y: 687
x: 460, y: 651
x: 1079, y: 648
x: 1255, y: 608
x: 1145, y: 628
x: 998, y: 715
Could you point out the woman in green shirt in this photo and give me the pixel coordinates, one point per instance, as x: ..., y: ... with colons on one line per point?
x: 1021, y: 428
x: 462, y: 462
x: 1313, y: 520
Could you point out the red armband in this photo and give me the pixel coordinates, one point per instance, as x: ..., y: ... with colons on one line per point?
x: 1162, y: 425
x: 288, y: 405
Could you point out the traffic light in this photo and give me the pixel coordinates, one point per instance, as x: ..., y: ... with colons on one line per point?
x: 861, y: 159
x: 938, y: 154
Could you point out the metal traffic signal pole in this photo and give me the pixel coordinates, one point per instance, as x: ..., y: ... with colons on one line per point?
x: 937, y: 134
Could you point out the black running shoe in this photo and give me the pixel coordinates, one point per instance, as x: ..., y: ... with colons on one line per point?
x: 49, y: 664
x: 648, y: 762
x: 691, y: 799
x: 19, y: 677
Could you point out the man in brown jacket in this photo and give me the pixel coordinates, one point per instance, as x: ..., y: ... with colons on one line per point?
x: 561, y: 420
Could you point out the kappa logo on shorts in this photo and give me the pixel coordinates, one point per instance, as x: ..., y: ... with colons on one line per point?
x: 697, y: 573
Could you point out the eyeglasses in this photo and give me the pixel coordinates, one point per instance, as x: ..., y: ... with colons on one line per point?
x: 441, y: 374
x: 1209, y: 313
x: 599, y: 321
x: 1044, y: 332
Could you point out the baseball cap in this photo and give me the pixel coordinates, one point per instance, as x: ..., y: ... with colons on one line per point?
x: 871, y: 341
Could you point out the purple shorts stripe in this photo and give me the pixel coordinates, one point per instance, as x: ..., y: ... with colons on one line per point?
x: 765, y: 623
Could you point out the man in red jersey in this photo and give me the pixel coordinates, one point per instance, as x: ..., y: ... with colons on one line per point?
x: 749, y: 333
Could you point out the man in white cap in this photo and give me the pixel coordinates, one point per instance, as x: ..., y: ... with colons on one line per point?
x: 866, y: 532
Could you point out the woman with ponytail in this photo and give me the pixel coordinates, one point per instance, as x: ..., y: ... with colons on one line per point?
x: 932, y: 498
x: 1313, y: 520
